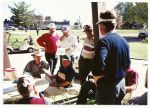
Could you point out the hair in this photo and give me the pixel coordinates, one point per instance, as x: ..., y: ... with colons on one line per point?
x: 23, y: 89
x: 108, y: 15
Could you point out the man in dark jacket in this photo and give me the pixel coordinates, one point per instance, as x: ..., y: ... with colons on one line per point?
x: 110, y: 62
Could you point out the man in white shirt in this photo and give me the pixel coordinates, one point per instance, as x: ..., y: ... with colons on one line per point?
x: 68, y: 42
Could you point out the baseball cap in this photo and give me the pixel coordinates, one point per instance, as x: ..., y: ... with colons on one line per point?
x: 87, y: 28
x: 52, y: 25
x: 66, y: 57
x: 64, y: 28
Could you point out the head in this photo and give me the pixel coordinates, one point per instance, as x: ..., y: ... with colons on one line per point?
x: 37, y: 55
x: 25, y: 87
x: 88, y: 30
x: 107, y: 22
x: 52, y: 28
x: 66, y: 60
x: 65, y: 30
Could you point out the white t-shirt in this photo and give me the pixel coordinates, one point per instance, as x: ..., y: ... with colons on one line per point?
x: 70, y: 43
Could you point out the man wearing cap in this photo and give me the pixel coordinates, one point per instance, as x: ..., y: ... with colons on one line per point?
x: 49, y: 42
x: 35, y: 67
x: 65, y: 73
x: 110, y: 62
x: 29, y: 93
x: 68, y: 42
x: 87, y: 54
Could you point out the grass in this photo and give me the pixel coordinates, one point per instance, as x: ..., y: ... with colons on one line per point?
x: 138, y: 50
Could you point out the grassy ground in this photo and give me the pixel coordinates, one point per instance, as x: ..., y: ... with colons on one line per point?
x: 138, y: 49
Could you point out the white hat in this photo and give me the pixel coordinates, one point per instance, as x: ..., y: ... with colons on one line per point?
x: 52, y: 25
x: 37, y: 52
x: 64, y: 28
x: 106, y: 20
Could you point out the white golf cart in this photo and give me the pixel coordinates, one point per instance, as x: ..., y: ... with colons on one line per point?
x: 19, y: 41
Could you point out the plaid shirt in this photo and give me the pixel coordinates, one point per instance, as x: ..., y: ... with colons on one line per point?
x: 34, y: 69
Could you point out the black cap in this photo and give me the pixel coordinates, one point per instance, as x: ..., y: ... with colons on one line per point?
x: 87, y: 28
x: 66, y: 57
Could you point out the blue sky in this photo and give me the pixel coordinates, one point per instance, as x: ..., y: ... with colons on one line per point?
x: 57, y: 9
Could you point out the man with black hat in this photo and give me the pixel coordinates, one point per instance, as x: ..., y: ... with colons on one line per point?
x: 110, y: 62
x: 65, y: 74
x: 87, y: 54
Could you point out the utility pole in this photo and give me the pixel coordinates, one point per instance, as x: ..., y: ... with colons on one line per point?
x: 95, y: 19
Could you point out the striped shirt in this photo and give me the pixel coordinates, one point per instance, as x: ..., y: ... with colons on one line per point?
x: 88, y: 48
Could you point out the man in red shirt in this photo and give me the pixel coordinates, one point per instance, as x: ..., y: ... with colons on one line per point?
x: 48, y: 41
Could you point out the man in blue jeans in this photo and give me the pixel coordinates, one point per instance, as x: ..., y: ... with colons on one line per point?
x: 110, y: 62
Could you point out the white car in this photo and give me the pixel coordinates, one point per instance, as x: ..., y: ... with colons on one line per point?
x: 143, y: 33
x: 11, y: 28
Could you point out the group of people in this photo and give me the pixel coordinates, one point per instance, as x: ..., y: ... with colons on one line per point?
x: 107, y: 61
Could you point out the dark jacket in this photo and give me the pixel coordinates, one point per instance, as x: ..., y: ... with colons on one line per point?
x: 111, y: 58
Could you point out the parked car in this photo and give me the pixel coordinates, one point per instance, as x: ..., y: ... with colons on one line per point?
x: 21, y: 28
x: 18, y: 41
x: 143, y: 33
x: 11, y: 28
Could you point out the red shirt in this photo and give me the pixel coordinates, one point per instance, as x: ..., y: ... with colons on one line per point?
x: 131, y: 77
x: 48, y: 42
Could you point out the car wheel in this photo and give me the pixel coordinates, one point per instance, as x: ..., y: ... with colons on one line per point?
x: 30, y: 50
x: 9, y: 51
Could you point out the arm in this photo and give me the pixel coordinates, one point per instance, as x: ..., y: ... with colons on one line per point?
x: 41, y: 41
x: 47, y: 72
x: 99, y: 63
x: 62, y: 38
x: 27, y: 68
x: 63, y: 84
x: 74, y: 44
x: 130, y: 88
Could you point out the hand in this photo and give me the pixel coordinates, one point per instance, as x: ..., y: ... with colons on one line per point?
x: 67, y: 49
x: 47, y: 72
x: 97, y: 78
x: 54, y: 84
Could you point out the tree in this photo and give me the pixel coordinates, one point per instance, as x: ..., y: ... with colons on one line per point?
x: 133, y: 13
x: 22, y: 16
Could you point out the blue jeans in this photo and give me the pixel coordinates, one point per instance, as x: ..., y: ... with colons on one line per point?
x: 110, y: 93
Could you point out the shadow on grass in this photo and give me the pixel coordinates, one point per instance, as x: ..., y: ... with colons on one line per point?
x: 133, y: 39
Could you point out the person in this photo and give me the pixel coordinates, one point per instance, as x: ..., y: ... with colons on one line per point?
x: 87, y: 54
x: 88, y: 90
x: 68, y: 42
x: 29, y: 40
x: 37, y: 29
x: 63, y: 78
x: 29, y: 93
x: 65, y: 74
x: 49, y: 42
x: 131, y: 80
x: 143, y: 98
x: 35, y: 67
x: 110, y: 62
